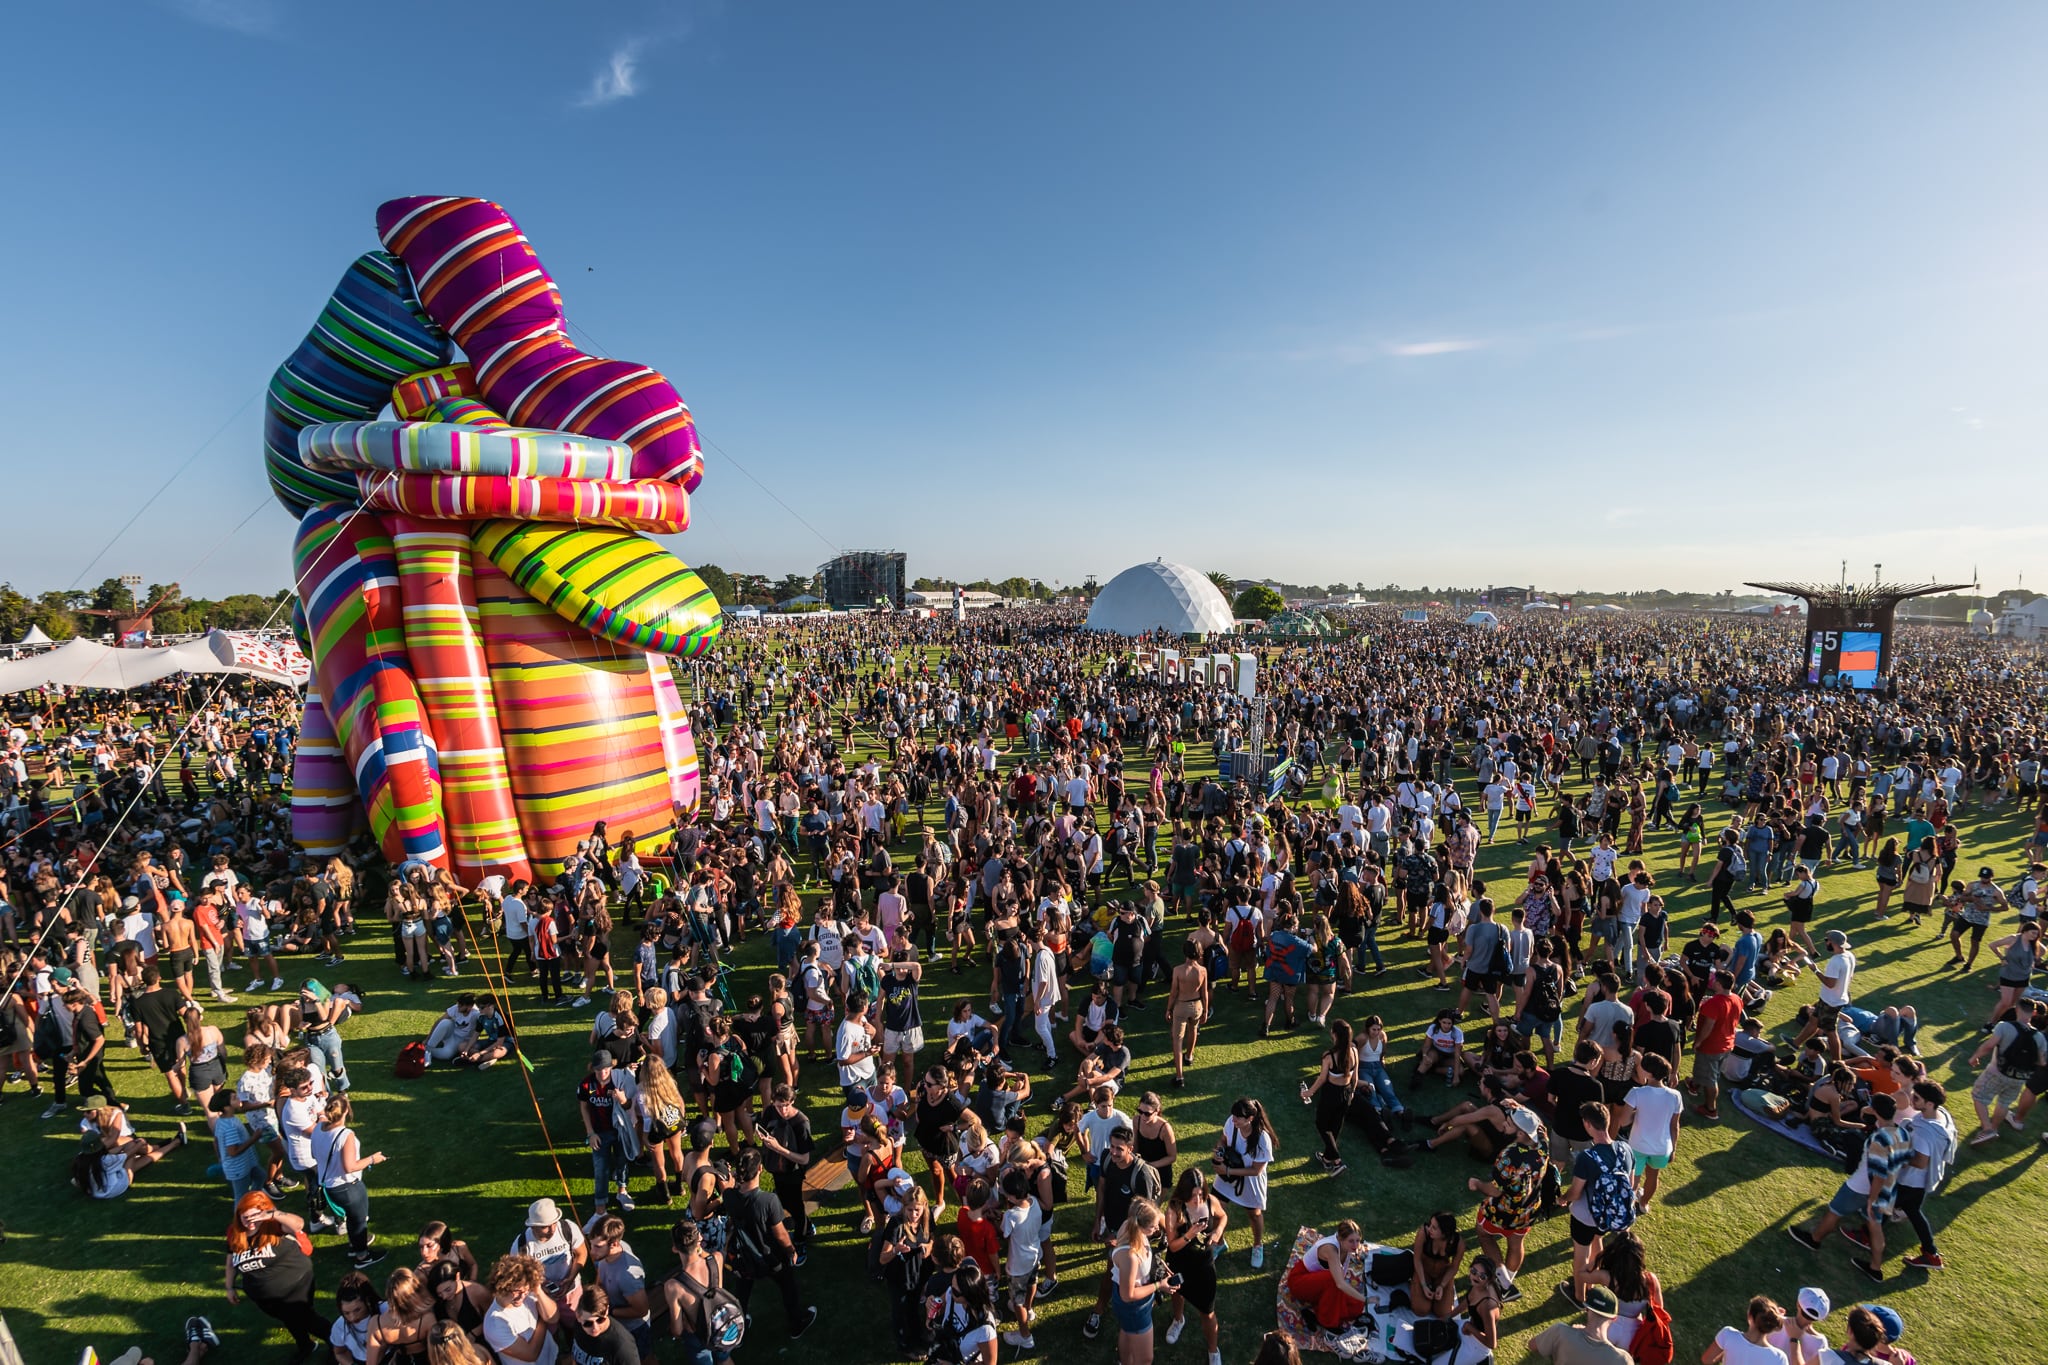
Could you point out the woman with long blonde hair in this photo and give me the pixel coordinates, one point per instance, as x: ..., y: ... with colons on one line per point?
x: 662, y: 1118
x: 448, y: 1344
x: 1131, y: 1283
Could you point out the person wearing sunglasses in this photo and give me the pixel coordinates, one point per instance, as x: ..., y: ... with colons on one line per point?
x: 598, y: 1338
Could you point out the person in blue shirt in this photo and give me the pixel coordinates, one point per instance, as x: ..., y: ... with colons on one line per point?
x: 1286, y: 965
x: 1757, y: 849
x: 1746, y: 952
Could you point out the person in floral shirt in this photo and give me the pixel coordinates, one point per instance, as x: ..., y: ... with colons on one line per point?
x: 1509, y: 1202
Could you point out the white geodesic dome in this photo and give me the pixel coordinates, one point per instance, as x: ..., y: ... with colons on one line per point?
x: 1161, y: 596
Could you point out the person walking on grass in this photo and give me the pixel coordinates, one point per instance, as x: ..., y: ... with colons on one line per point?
x: 2017, y: 1048
x: 1870, y: 1191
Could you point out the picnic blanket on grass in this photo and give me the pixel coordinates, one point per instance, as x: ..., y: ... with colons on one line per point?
x: 1798, y: 1134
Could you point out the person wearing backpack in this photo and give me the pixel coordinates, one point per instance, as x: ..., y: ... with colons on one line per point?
x: 1602, y: 1197
x: 1243, y: 930
x: 703, y: 1315
x: 2017, y: 1048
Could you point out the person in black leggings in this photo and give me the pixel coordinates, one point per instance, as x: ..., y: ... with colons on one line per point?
x: 267, y: 1260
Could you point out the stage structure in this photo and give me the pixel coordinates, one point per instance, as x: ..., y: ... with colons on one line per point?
x: 1849, y: 628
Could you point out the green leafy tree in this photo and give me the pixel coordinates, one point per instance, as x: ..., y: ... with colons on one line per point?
x: 1221, y: 580
x: 1257, y: 603
x: 720, y: 582
x: 792, y: 585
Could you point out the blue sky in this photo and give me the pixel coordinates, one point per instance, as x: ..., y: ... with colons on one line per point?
x: 1595, y: 295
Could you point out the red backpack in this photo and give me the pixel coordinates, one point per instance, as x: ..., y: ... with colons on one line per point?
x: 412, y: 1061
x: 1653, y: 1344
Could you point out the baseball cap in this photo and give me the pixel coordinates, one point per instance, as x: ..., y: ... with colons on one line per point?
x: 131, y: 902
x: 1838, y: 937
x: 542, y: 1212
x: 1526, y: 1121
x: 1814, y: 1302
x: 1894, y: 1325
x: 61, y: 976
x: 1600, y: 1302
x: 1986, y: 873
x: 601, y: 1059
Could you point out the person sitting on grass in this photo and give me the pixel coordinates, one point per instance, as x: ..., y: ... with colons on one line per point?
x: 1103, y: 1064
x: 106, y: 1172
x: 1486, y: 1127
x: 1443, y: 1049
x: 1322, y: 1284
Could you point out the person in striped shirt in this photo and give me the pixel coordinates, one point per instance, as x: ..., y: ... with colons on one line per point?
x: 1871, y: 1190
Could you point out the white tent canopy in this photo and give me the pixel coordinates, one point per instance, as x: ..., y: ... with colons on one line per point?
x: 86, y: 663
x: 1160, y: 595
x: 35, y: 636
x: 1484, y: 619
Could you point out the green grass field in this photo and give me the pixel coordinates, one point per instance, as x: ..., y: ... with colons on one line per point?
x: 466, y: 1147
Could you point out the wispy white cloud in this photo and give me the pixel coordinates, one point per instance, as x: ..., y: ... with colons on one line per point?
x: 254, y: 18
x: 1968, y: 418
x: 1615, y: 516
x: 618, y: 79
x: 1444, y: 347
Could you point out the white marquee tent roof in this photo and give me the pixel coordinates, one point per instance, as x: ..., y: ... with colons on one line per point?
x: 87, y: 663
x: 1161, y: 596
x: 35, y: 636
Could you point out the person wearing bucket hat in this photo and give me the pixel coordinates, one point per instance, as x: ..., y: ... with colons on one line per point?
x: 559, y: 1248
x: 1586, y: 1342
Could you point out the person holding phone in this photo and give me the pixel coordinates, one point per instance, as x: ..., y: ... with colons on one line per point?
x: 1195, y: 1223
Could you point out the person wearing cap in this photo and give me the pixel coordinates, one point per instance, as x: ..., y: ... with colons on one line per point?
x: 1982, y: 899
x: 603, y: 1102
x: 758, y: 1245
x: 1586, y: 1342
x: 1835, y: 972
x: 1800, y: 1337
x: 1510, y: 1202
x: 1874, y: 1330
x: 1749, y: 1345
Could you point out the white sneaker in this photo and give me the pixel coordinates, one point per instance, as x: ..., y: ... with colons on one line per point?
x: 581, y: 1001
x: 1017, y: 1339
x: 277, y: 983
x: 1173, y: 1332
x: 225, y: 997
x: 1259, y: 1256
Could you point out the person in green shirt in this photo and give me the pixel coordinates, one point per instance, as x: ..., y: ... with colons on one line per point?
x: 1585, y: 1343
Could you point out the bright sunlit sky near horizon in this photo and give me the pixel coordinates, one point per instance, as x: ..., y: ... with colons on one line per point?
x: 1599, y: 296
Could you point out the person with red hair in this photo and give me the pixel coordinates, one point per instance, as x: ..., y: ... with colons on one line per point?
x: 270, y: 1259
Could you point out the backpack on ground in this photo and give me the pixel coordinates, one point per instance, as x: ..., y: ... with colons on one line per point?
x: 412, y: 1061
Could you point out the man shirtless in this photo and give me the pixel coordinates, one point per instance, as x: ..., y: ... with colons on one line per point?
x: 180, y: 941
x: 1187, y: 1005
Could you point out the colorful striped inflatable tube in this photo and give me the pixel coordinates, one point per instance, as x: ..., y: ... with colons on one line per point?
x: 444, y: 642
x: 347, y: 576
x: 642, y: 504
x: 456, y: 447
x: 481, y: 280
x: 371, y: 335
x: 325, y: 810
x: 583, y: 730
x: 617, y: 585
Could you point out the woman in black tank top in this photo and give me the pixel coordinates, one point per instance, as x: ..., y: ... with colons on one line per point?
x: 1153, y: 1139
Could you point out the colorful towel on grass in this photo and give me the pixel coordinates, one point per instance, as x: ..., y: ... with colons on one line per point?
x: 1292, y: 1320
x: 1795, y: 1133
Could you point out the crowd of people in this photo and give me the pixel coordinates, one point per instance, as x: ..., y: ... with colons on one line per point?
x: 1020, y: 819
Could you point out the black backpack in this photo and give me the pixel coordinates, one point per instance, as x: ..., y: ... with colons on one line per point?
x: 2022, y: 1056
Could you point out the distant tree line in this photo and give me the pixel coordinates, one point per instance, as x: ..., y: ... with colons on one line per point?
x: 68, y: 612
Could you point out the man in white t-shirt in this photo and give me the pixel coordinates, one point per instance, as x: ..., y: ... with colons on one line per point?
x: 1835, y: 972
x: 1496, y: 800
x: 517, y: 927
x: 855, y: 1047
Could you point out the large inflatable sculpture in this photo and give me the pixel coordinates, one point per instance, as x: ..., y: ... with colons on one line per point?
x: 490, y: 626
